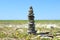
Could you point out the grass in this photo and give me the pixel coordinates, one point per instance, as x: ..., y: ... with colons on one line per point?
x: 26, y: 21
x: 22, y: 35
x: 11, y: 32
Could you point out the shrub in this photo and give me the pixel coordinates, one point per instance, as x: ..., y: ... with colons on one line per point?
x: 2, y: 35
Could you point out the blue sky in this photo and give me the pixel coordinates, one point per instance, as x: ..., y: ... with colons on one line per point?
x: 18, y: 9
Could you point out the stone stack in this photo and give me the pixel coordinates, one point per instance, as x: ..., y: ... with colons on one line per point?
x: 31, y: 29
